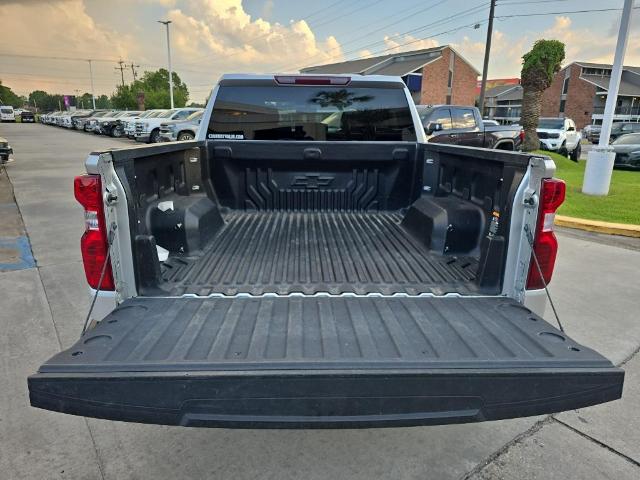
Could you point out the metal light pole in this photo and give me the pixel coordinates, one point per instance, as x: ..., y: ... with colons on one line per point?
x: 597, y: 175
x: 166, y: 24
x: 93, y: 96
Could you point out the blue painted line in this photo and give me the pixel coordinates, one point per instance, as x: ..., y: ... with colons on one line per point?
x: 22, y: 245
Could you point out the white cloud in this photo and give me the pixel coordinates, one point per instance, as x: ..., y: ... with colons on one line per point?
x: 506, y: 54
x: 56, y: 29
x: 224, y: 34
x: 402, y: 43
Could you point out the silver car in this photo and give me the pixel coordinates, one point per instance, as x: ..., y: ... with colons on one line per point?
x: 130, y: 123
x: 627, y: 149
x: 181, y: 130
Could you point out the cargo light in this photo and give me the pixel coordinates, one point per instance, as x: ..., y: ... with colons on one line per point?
x: 93, y: 244
x: 545, y: 244
x: 311, y: 80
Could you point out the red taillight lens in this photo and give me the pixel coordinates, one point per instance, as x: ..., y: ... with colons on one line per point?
x: 311, y: 80
x: 545, y: 244
x: 522, y: 135
x: 88, y: 191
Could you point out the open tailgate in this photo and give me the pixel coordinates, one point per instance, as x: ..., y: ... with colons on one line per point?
x: 311, y: 362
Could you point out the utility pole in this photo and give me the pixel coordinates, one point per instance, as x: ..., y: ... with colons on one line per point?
x: 93, y: 95
x: 133, y: 71
x: 597, y: 174
x: 166, y: 24
x: 487, y: 51
x: 121, y: 67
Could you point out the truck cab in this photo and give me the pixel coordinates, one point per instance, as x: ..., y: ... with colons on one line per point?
x: 310, y: 260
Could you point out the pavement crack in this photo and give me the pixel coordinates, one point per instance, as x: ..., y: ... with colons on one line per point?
x: 598, y: 442
x: 629, y: 357
x: 514, y: 441
x: 95, y: 448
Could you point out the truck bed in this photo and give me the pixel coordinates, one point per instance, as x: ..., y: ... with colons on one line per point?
x: 287, y: 252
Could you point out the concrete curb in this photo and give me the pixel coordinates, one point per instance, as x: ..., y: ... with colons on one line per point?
x: 598, y: 226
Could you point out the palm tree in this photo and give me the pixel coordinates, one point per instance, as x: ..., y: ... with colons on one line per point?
x: 539, y: 65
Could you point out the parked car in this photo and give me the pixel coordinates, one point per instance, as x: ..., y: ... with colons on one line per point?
x: 627, y: 150
x: 5, y: 150
x: 148, y: 129
x: 462, y: 125
x: 622, y: 128
x: 66, y: 119
x: 591, y: 133
x: 78, y: 116
x: 27, y: 117
x: 7, y: 114
x: 53, y: 117
x: 91, y: 123
x: 181, y: 130
x: 559, y: 135
x: 129, y: 124
x: 310, y: 264
x: 111, y: 124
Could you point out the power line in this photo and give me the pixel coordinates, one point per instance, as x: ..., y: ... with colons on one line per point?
x: 441, y: 21
x: 561, y: 13
x: 53, y: 57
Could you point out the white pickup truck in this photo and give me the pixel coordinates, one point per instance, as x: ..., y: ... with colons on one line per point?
x: 311, y: 261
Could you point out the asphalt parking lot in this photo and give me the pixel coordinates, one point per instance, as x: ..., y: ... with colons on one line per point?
x: 42, y: 309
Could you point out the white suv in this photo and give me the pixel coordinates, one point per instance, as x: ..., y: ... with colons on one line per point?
x: 560, y: 135
x: 148, y: 129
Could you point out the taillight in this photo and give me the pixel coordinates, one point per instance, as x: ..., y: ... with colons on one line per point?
x: 311, y: 80
x: 521, y: 135
x: 93, y: 244
x: 545, y: 244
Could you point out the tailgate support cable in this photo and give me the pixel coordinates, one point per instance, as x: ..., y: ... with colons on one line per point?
x: 102, y: 273
x: 546, y: 289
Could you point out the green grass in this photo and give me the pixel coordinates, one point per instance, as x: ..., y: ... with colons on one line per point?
x: 622, y: 205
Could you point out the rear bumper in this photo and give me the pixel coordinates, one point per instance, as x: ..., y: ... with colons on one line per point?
x: 323, y: 400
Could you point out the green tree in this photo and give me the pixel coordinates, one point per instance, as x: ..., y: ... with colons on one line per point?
x: 7, y: 97
x: 103, y: 102
x: 155, y: 86
x: 45, y: 102
x: 538, y: 68
x: 124, y: 98
x: 84, y: 101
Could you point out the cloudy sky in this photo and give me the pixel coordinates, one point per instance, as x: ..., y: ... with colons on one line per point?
x: 44, y: 44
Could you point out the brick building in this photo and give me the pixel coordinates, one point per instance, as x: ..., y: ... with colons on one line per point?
x: 503, y: 103
x: 437, y: 75
x: 579, y: 92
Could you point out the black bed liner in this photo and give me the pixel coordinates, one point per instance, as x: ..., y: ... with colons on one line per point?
x: 322, y: 361
x: 311, y: 252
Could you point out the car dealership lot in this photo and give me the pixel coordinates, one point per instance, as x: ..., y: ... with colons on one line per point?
x: 42, y: 310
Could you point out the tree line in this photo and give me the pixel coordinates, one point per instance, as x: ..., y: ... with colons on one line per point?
x: 154, y: 86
